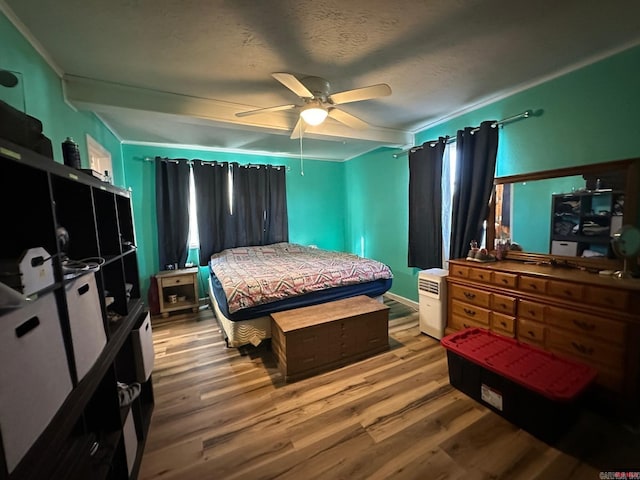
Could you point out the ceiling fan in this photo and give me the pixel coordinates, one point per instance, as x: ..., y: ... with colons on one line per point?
x: 320, y: 103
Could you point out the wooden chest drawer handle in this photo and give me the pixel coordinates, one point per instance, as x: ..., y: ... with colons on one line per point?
x: 503, y: 305
x: 532, y: 334
x: 481, y: 276
x: 469, y: 312
x: 568, y: 293
x: 469, y: 295
x: 532, y: 313
x: 466, y: 325
x: 582, y: 349
x: 503, y: 323
x: 504, y: 280
x: 533, y: 286
x: 460, y: 272
x: 584, y: 325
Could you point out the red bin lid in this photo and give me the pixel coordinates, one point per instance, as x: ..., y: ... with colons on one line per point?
x: 536, y: 369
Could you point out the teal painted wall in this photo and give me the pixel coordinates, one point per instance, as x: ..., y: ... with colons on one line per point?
x: 587, y: 116
x: 44, y: 100
x: 315, y: 200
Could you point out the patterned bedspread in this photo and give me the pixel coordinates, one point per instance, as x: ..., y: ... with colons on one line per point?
x: 253, y: 276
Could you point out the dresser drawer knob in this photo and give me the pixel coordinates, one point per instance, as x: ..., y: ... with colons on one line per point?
x: 568, y: 293
x: 532, y: 334
x: 584, y: 325
x: 469, y: 295
x: 532, y: 313
x: 481, y: 276
x: 582, y: 349
x: 533, y: 286
x: 505, y: 281
x: 503, y: 323
x: 503, y: 305
x: 469, y: 312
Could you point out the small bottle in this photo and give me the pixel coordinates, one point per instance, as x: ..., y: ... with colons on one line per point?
x: 71, y: 153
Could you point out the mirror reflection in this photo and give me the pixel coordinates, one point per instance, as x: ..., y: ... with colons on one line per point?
x: 573, y: 215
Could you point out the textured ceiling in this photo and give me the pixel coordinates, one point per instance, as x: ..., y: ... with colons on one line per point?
x: 177, y: 71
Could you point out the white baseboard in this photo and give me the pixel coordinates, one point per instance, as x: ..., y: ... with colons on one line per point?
x: 403, y: 300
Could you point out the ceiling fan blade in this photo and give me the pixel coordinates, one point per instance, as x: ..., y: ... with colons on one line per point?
x: 358, y: 94
x: 298, y: 130
x: 293, y: 84
x: 348, y: 119
x: 265, y: 110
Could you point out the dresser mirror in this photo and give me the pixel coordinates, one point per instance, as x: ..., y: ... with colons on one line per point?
x: 567, y: 214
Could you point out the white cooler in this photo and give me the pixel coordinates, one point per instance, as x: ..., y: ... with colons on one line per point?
x: 85, y: 317
x: 34, y: 374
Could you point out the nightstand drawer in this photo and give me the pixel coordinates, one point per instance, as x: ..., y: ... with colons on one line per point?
x: 186, y: 279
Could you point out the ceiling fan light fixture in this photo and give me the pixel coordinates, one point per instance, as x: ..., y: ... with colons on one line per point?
x: 314, y: 113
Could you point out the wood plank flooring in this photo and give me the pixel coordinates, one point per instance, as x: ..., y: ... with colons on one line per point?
x: 224, y: 413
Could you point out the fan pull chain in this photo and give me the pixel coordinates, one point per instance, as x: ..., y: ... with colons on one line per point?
x: 301, y: 157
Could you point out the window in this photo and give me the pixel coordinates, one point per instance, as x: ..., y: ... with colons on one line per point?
x: 194, y: 239
x: 448, y: 180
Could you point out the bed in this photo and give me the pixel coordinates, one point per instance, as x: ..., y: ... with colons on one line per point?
x: 247, y: 284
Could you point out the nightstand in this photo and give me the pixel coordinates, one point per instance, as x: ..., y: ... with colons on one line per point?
x: 178, y: 290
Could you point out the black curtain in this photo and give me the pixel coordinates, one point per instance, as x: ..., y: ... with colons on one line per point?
x: 213, y: 209
x: 172, y: 209
x: 276, y: 222
x: 425, y: 205
x: 476, y: 151
x: 257, y: 214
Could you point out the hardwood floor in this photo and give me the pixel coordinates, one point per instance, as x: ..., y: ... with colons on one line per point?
x: 224, y: 413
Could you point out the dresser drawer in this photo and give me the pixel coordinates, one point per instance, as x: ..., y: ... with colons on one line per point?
x: 607, y: 297
x: 530, y: 332
x: 471, y: 295
x: 611, y: 378
x: 503, y: 279
x: 459, y: 271
x: 481, y: 275
x: 588, y: 325
x: 566, y: 290
x: 504, y: 324
x: 466, y: 310
x: 531, y: 310
x: 460, y: 323
x: 588, y: 348
x: 533, y: 284
x: 503, y: 304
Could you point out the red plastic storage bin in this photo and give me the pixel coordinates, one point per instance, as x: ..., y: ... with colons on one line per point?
x: 530, y: 387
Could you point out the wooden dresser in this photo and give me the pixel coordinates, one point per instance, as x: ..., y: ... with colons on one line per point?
x: 312, y: 339
x: 588, y: 317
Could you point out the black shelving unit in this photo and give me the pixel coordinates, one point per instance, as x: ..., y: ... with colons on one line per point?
x: 86, y: 434
x: 585, y: 221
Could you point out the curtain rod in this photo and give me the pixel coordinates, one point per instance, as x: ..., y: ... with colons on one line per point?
x: 452, y: 139
x: 213, y: 162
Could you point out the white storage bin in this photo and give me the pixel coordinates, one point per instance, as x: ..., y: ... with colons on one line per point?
x: 569, y: 249
x: 143, y: 349
x: 85, y: 316
x: 34, y: 374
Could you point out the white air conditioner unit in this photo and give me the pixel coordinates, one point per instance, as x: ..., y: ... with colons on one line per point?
x: 432, y: 288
